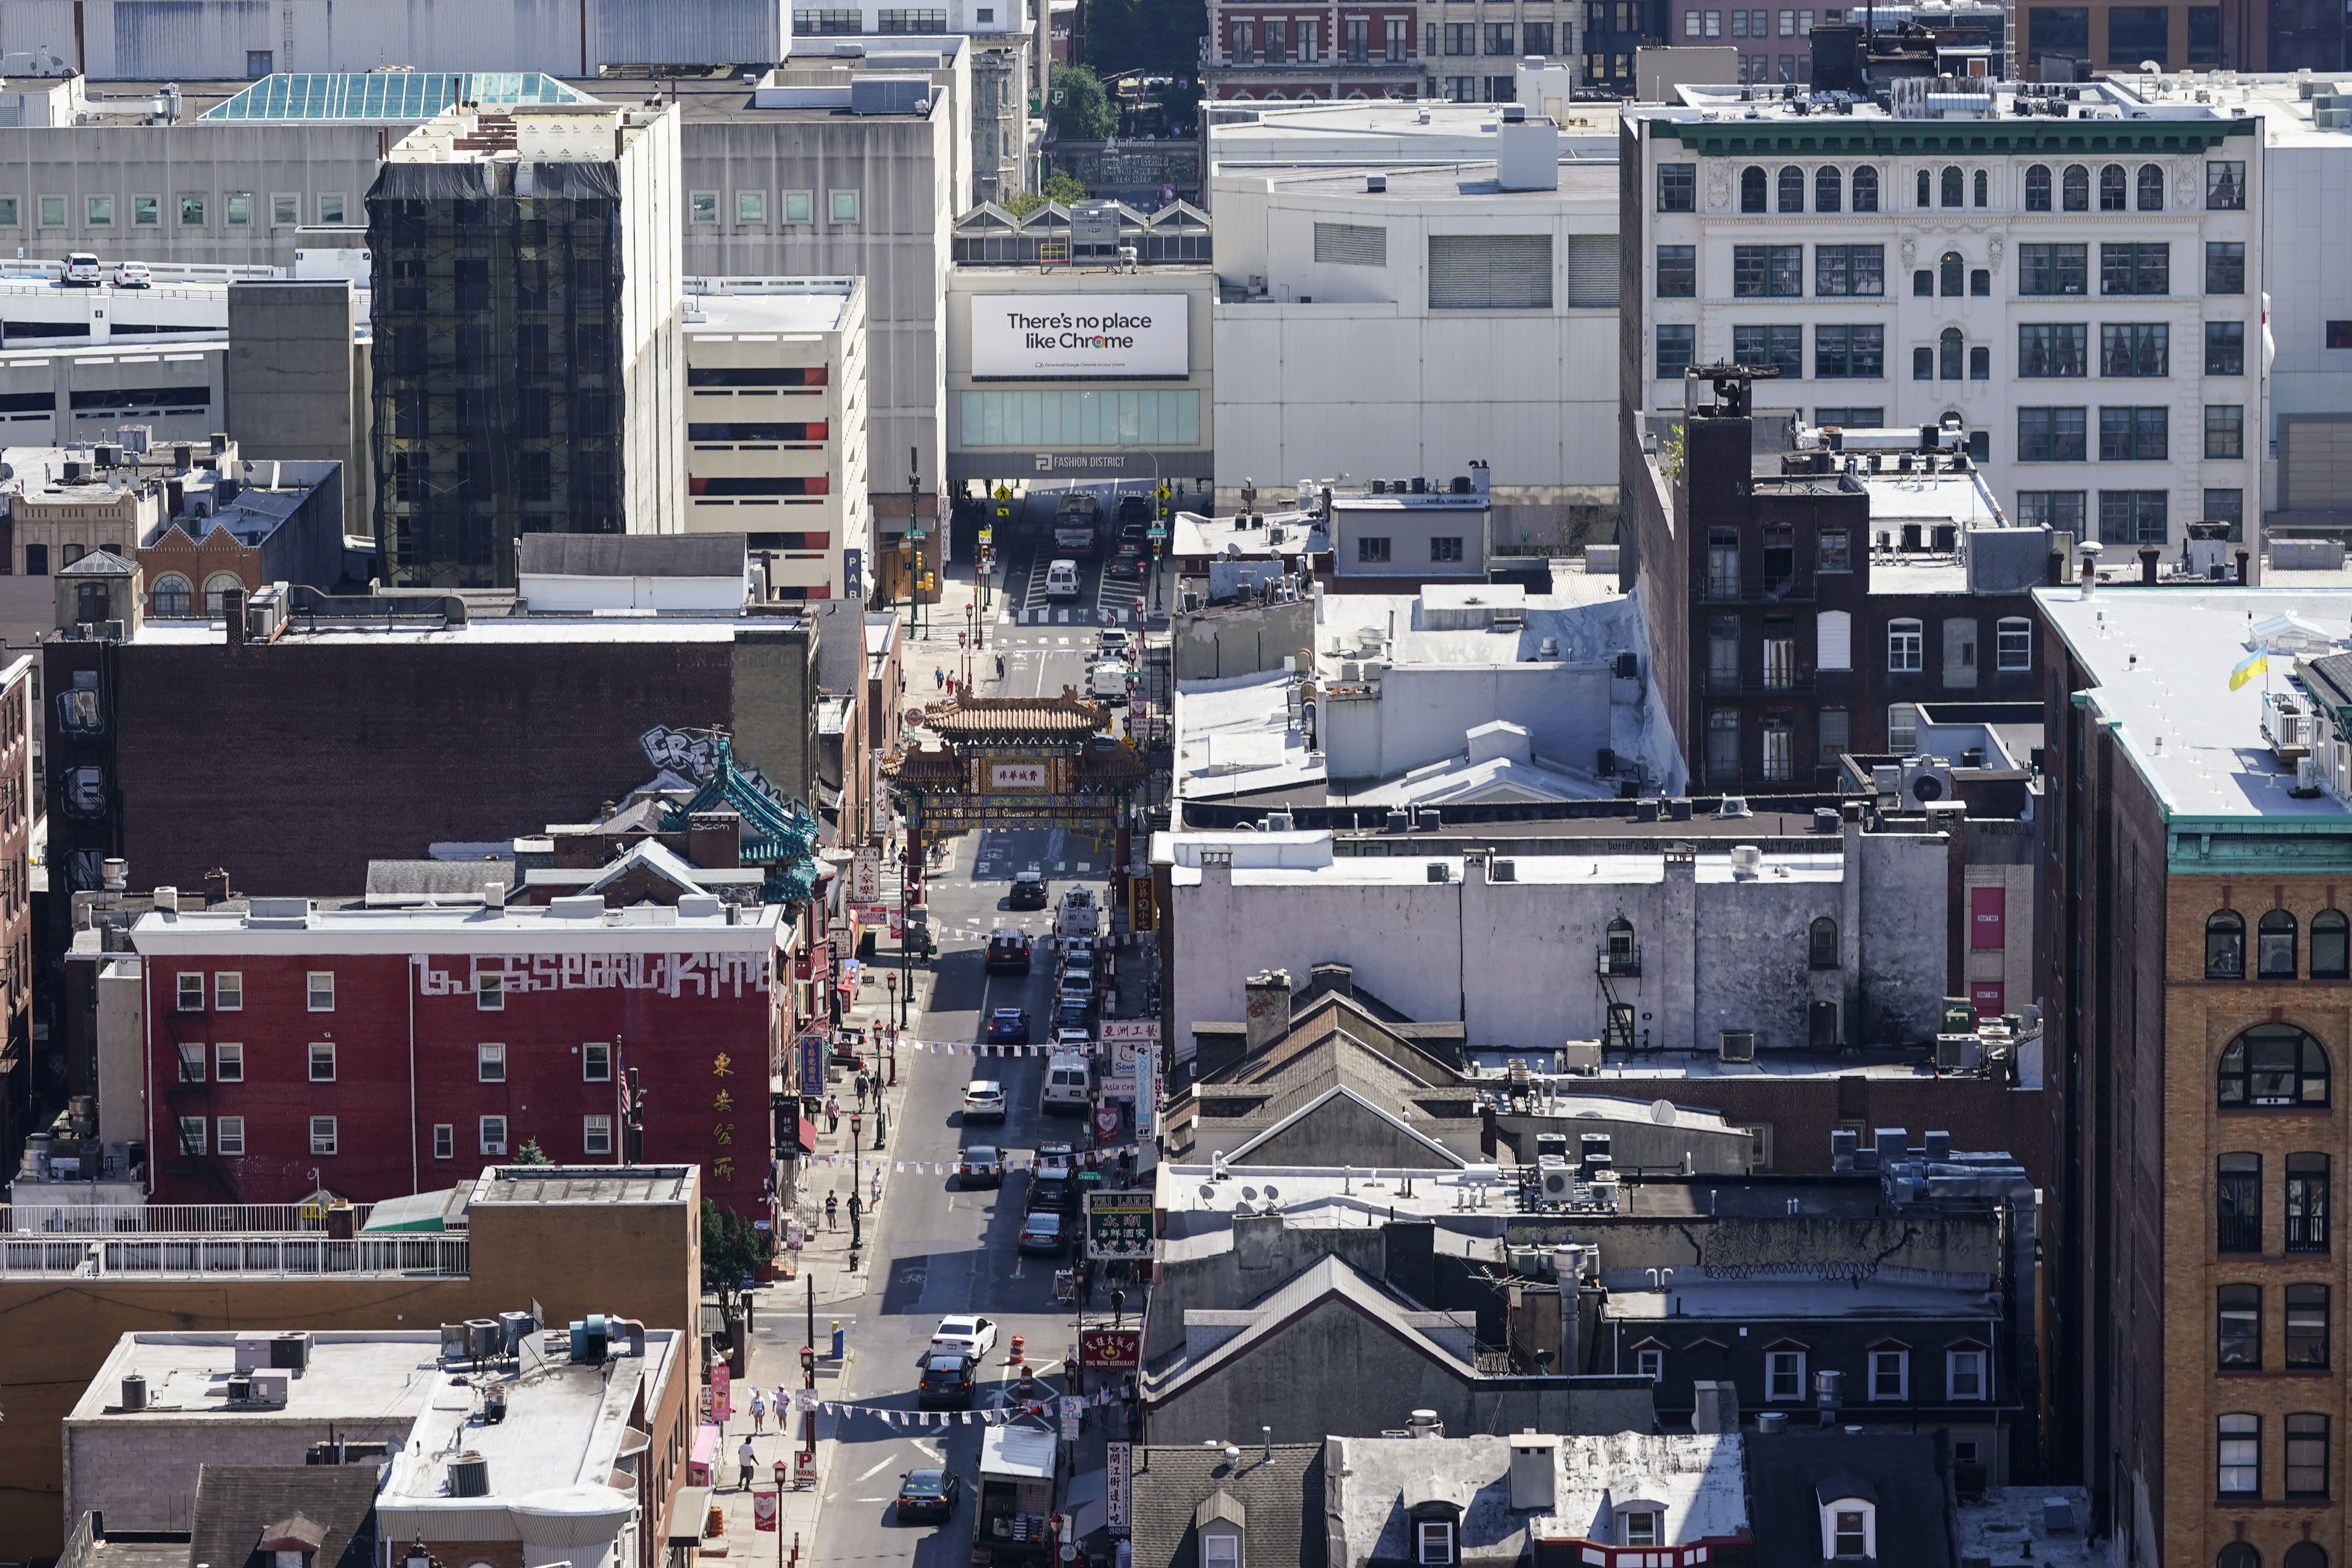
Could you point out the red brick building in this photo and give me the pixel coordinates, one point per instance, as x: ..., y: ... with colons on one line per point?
x: 376, y: 1052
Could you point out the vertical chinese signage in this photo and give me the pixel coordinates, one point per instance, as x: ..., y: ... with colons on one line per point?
x: 812, y: 1075
x: 1117, y: 1460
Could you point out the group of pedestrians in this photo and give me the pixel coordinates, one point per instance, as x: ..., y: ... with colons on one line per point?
x: 747, y: 1458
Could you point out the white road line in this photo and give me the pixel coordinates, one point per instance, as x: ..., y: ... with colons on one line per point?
x: 877, y: 1470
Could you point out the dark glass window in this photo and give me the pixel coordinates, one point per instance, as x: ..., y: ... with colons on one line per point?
x: 2137, y: 32
x: 1853, y: 353
x: 2331, y: 956
x: 2204, y: 35
x: 2225, y: 185
x: 2113, y: 188
x: 1866, y: 190
x: 2225, y: 946
x: 2149, y: 184
x: 2037, y: 188
x: 2274, y: 945
x: 1791, y: 197
x: 1676, y: 345
x: 2273, y: 1065
x: 1979, y: 367
x: 2306, y: 1466
x: 1677, y: 272
x: 1849, y: 269
x: 1782, y: 347
x: 2053, y: 348
x: 2306, y: 1202
x: 2139, y: 434
x: 1982, y: 188
x: 2237, y: 1204
x: 1821, y: 943
x: 2306, y: 1325
x: 1949, y: 356
x: 1678, y: 187
x: 2225, y: 267
x: 1768, y: 271
x: 1952, y: 273
x: 1751, y: 189
x: 1828, y: 189
x: 2053, y: 268
x: 2075, y: 189
x: 1951, y: 187
x: 2059, y: 30
x: 2134, y: 348
x: 2238, y: 1328
x: 2136, y: 269
x: 2052, y: 434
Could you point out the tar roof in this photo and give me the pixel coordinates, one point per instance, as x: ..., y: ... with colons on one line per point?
x: 1784, y: 1470
x: 1580, y: 183
x: 634, y: 554
x: 2159, y: 663
x: 585, y: 1184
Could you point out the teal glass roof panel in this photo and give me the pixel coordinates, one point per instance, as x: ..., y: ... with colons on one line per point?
x: 387, y: 95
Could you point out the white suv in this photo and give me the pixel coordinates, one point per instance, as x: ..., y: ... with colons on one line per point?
x: 974, y: 1337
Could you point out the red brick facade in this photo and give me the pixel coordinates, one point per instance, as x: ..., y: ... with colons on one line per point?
x: 371, y: 1059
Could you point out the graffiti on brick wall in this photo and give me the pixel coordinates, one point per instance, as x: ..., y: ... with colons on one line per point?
x: 704, y: 975
x: 695, y: 754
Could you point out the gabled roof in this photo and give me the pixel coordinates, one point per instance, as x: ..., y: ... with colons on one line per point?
x: 649, y: 854
x: 1341, y: 1092
x: 1327, y: 1280
x: 1278, y: 1491
x: 238, y: 1505
x: 98, y: 564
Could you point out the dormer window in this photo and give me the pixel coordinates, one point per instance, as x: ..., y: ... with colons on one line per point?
x: 1641, y: 1522
x: 1849, y: 1509
x: 1221, y: 1523
x: 1433, y: 1540
x: 1436, y: 1522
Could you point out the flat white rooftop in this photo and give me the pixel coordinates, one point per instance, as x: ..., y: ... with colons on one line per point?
x: 376, y: 1374
x: 1304, y: 860
x: 725, y: 308
x: 2161, y: 660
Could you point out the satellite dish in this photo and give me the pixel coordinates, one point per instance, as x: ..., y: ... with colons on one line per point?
x: 1661, y: 1111
x: 1207, y: 1191
x: 1271, y: 1195
x: 1250, y: 1192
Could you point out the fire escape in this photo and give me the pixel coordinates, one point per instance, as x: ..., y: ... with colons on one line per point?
x: 1618, y: 958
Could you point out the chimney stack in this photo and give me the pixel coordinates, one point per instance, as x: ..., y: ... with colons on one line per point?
x: 1267, y: 1010
x: 1534, y: 1460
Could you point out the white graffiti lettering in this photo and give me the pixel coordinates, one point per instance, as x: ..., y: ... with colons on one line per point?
x: 700, y: 975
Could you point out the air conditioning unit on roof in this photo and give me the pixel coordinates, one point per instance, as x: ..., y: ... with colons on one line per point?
x: 1736, y: 1045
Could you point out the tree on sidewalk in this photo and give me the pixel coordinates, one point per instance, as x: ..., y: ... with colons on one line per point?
x: 731, y: 1252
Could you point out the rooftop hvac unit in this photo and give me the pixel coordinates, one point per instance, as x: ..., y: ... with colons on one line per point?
x: 270, y: 1387
x: 1580, y: 1056
x: 1507, y: 871
x: 1736, y: 1045
x: 1925, y: 779
x: 469, y: 1475
x: 1747, y: 860
x: 1437, y: 872
x: 483, y: 1338
x: 1554, y: 1180
x: 291, y: 1351
x: 1552, y: 1143
x: 1958, y: 1053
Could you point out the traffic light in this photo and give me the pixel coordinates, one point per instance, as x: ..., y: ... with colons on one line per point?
x: 927, y: 582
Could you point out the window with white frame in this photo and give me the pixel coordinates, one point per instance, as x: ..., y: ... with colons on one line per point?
x: 231, y: 1139
x: 323, y: 990
x: 1433, y: 1540
x: 1221, y: 1549
x: 1834, y: 640
x: 1641, y: 1525
x: 1905, y: 641
x: 1651, y: 1363
x: 494, y: 1134
x: 490, y: 990
x: 1784, y: 1375
x: 2013, y: 642
x: 1902, y: 728
x: 490, y: 1063
x: 1849, y: 1529
x: 192, y: 1061
x: 228, y: 1062
x: 1964, y: 1372
x: 192, y: 1136
x: 597, y: 1134
x: 322, y: 1135
x: 596, y: 1062
x: 1890, y: 1373
x: 228, y: 989
x: 445, y: 1141
x: 192, y: 992
x: 322, y: 1061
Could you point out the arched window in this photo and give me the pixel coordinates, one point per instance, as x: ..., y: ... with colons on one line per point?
x: 215, y: 585
x: 2238, y: 1554
x: 1828, y: 190
x: 1751, y: 189
x: 1620, y: 951
x: 1983, y: 189
x: 2111, y: 187
x: 1952, y: 186
x: 1926, y: 197
x: 1792, y: 190
x: 2274, y: 1064
x: 1949, y: 354
x: 2306, y: 1554
x: 2274, y: 953
x: 2331, y: 945
x: 1952, y: 275
x: 2037, y: 188
x: 2151, y: 188
x: 2075, y: 189
x: 173, y: 598
x: 1866, y: 190
x: 2225, y: 946
x: 1821, y: 943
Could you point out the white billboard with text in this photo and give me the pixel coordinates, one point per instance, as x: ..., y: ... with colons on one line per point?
x: 1050, y: 336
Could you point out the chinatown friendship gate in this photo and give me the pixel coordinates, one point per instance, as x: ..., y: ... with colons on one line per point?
x: 1021, y: 762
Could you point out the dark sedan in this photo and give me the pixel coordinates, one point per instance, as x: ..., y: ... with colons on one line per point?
x: 1008, y: 1026
x: 928, y: 1494
x: 1028, y: 890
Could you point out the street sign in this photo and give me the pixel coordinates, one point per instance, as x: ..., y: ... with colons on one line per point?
x: 1118, y: 1459
x: 1130, y: 1029
x: 866, y: 878
x: 764, y: 1509
x: 1113, y: 1349
x: 1106, y: 1123
x: 1004, y: 492
x: 813, y: 1063
x: 1071, y: 1410
x: 1119, y: 1225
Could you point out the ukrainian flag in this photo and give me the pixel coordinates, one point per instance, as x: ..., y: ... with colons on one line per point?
x: 2255, y: 663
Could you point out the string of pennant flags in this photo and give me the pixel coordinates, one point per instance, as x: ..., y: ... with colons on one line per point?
x: 936, y: 1167
x: 1044, y: 1407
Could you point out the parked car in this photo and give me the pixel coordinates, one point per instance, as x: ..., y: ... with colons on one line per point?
x: 1008, y: 1026
x: 974, y: 1337
x: 1052, y: 1194
x: 1008, y: 953
x: 948, y: 1379
x: 1028, y: 890
x: 133, y: 275
x: 983, y: 1098
x: 1125, y: 563
x: 1055, y: 1160
x: 1072, y: 1011
x: 1072, y: 1042
x: 981, y: 1166
x: 1041, y: 1232
x: 1061, y: 576
x: 1114, y: 643
x: 82, y: 270
x: 1078, y: 961
x: 930, y: 1493
x: 1134, y: 511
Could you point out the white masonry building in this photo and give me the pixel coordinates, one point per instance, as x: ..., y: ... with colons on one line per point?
x: 2076, y: 279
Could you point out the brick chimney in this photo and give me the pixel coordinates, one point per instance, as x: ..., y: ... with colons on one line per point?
x: 714, y: 840
x: 1267, y: 1010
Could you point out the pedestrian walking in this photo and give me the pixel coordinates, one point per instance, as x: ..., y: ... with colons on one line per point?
x: 1000, y: 666
x: 861, y: 1092
x: 832, y: 1113
x: 876, y: 1201
x: 749, y: 1461
x: 759, y: 1413
x: 939, y: 677
x: 832, y: 1206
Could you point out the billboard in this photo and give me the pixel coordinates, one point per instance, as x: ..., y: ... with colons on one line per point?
x: 1057, y: 336
x: 1119, y: 1225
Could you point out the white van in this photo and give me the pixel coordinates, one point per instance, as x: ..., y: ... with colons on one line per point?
x: 1066, y: 1089
x: 1107, y: 680
x: 1061, y: 580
